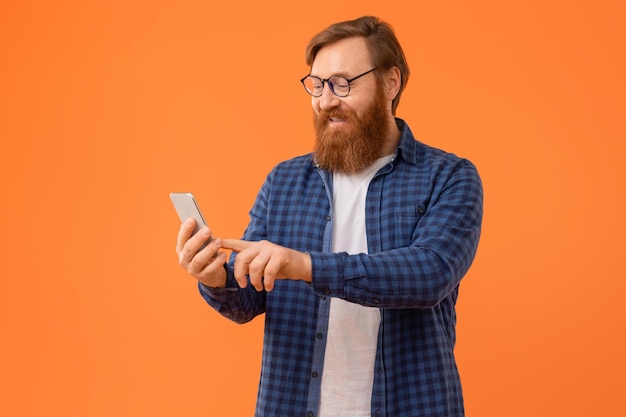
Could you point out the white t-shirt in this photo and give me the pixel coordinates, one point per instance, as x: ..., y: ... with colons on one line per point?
x: 348, y: 374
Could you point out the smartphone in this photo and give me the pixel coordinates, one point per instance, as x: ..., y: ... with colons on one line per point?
x: 186, y: 207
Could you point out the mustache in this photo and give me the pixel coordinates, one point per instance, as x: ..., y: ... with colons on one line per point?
x: 333, y: 113
x: 325, y: 114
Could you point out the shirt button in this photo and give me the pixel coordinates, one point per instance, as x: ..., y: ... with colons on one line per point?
x: 376, y: 300
x: 319, y: 335
x: 327, y: 291
x: 314, y: 374
x: 328, y: 218
x: 309, y: 414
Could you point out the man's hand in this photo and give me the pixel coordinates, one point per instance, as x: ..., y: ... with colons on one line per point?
x: 205, y: 265
x: 265, y: 262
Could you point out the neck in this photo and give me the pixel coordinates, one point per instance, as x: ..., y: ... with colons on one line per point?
x: 393, y: 137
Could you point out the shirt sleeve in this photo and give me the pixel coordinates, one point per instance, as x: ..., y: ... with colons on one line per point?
x: 423, y: 273
x: 237, y: 304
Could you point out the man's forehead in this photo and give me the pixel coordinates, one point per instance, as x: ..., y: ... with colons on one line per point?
x: 342, y: 57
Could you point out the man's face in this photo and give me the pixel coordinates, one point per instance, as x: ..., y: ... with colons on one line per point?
x: 351, y: 131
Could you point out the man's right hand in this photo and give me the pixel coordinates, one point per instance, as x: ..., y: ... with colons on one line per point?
x: 207, y: 264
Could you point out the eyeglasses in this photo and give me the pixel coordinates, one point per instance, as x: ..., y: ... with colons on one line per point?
x: 339, y: 86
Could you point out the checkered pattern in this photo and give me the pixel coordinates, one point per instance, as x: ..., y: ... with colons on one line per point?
x: 423, y: 219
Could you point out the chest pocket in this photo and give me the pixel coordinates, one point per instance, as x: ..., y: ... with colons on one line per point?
x: 407, y: 219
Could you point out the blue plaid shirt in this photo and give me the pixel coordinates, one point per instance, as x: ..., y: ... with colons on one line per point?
x: 423, y: 218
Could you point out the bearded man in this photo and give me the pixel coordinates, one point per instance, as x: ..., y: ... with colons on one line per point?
x: 353, y: 252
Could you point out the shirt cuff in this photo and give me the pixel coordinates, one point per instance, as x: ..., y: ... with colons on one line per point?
x: 220, y: 294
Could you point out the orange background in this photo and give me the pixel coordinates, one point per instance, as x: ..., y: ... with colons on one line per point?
x: 107, y: 106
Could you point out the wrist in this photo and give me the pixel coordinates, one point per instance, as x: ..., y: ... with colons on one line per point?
x: 307, y: 268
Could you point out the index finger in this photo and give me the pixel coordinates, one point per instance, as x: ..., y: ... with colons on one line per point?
x: 236, y: 245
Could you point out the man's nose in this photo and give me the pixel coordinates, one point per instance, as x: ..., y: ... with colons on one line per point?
x: 328, y: 99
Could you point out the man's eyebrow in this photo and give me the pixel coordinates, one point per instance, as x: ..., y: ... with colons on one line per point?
x: 343, y: 74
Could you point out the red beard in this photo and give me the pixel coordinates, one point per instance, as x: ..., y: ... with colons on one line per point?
x: 351, y: 149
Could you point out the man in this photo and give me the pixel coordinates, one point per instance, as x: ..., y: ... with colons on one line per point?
x: 354, y: 252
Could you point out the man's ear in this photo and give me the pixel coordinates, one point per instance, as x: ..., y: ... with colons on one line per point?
x: 393, y: 82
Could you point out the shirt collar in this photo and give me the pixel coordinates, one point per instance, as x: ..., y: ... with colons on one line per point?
x: 408, y: 147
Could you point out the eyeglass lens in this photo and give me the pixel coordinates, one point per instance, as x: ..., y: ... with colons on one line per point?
x: 338, y: 85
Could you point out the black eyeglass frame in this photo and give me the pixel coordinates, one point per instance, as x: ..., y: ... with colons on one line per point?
x: 330, y: 84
